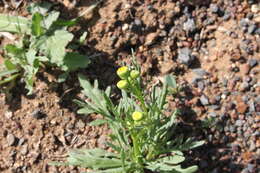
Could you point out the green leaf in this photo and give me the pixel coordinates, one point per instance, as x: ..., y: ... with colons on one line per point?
x: 97, y: 122
x: 96, y: 159
x: 171, y: 159
x: 12, y: 49
x: 7, y: 72
x: 50, y: 19
x: 54, y: 46
x: 14, y: 24
x: 31, y: 56
x: 9, y: 65
x: 8, y: 79
x: 65, y: 22
x: 63, y: 77
x: 170, y: 81
x: 73, y: 61
x: 37, y: 29
x: 41, y: 8
x: 83, y: 38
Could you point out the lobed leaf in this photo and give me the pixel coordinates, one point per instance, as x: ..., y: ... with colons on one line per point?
x: 15, y: 24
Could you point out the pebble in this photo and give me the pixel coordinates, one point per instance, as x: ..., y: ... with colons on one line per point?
x: 185, y: 56
x: 214, y: 8
x: 252, y: 63
x: 24, y: 150
x: 8, y: 114
x: 150, y: 38
x: 251, y: 29
x: 189, y: 25
x: 255, y: 8
x: 239, y: 123
x: 37, y: 114
x: 200, y: 71
x: 204, y: 100
x: 241, y: 107
x: 11, y: 139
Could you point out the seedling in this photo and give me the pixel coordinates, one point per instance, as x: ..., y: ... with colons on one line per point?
x: 43, y: 41
x: 142, y: 136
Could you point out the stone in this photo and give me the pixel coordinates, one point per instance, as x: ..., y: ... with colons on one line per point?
x: 214, y: 8
x: 200, y: 71
x: 185, y: 56
x: 204, y: 100
x: 150, y: 38
x: 252, y: 62
x: 189, y: 25
x: 11, y: 139
x: 251, y: 29
x: 8, y: 114
x: 241, y: 107
x: 37, y: 114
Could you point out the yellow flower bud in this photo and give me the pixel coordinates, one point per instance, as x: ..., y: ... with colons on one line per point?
x: 122, y: 84
x: 134, y: 74
x: 123, y: 72
x: 137, y: 116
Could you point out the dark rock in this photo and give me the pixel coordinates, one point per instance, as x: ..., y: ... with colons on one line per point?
x: 38, y: 114
x: 203, y: 164
x: 185, y: 56
x: 204, y: 100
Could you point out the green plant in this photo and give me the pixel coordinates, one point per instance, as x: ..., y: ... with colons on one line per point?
x: 142, y: 136
x: 42, y: 41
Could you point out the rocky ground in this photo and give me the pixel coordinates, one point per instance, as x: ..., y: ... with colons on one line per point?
x: 213, y: 48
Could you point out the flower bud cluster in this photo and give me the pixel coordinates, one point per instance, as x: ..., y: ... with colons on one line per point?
x: 126, y: 77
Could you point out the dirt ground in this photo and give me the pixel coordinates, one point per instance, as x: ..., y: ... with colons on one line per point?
x: 213, y: 48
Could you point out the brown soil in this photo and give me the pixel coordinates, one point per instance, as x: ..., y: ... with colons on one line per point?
x: 59, y: 128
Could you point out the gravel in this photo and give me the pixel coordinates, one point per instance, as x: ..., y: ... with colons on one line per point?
x: 185, y: 56
x: 11, y: 139
x: 204, y: 100
x: 189, y: 26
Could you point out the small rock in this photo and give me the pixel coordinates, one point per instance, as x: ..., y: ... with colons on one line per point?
x: 239, y: 123
x: 11, y: 139
x: 251, y: 106
x: 250, y: 167
x: 125, y: 27
x: 8, y: 114
x: 189, y: 25
x: 80, y: 124
x: 137, y: 22
x: 255, y: 8
x: 185, y: 56
x: 244, y: 22
x: 150, y: 38
x: 200, y: 71
x: 24, y: 150
x: 37, y: 114
x: 204, y: 100
x: 21, y: 141
x: 241, y: 107
x: 252, y: 62
x: 214, y: 8
x: 251, y: 29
